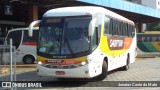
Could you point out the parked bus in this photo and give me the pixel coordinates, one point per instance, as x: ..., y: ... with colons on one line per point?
x: 148, y: 43
x: 84, y: 42
x: 25, y: 45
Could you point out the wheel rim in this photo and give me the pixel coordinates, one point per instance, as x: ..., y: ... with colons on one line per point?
x: 29, y: 60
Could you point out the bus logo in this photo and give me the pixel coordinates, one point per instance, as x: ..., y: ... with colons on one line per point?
x: 115, y: 43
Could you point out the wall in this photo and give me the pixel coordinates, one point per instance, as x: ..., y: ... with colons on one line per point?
x: 150, y: 3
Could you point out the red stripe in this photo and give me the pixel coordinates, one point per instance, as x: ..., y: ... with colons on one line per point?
x: 30, y: 43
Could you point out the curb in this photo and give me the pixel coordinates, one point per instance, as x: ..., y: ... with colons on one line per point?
x: 4, y: 70
x: 22, y: 66
x: 146, y: 56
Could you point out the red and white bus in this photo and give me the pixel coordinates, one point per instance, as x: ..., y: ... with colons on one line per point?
x: 25, y: 46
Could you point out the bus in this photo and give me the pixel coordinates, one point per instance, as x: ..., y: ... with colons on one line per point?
x: 25, y: 46
x: 148, y: 43
x: 83, y: 42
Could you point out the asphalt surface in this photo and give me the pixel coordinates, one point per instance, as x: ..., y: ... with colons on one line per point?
x: 143, y: 70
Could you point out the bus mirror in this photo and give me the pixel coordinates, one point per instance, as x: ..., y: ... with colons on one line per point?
x: 31, y: 27
x: 92, y: 27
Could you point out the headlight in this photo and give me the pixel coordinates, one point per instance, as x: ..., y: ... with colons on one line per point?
x: 83, y: 63
x: 39, y: 62
x: 86, y: 62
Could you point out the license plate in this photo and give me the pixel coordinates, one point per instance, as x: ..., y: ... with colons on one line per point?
x: 60, y: 73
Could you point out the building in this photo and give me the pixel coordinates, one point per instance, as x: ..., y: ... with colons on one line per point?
x: 149, y: 3
x: 135, y: 1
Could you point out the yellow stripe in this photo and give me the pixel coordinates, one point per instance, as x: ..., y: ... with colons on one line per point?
x: 105, y: 48
x: 156, y: 45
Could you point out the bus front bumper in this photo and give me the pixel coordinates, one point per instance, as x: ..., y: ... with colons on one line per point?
x: 86, y: 71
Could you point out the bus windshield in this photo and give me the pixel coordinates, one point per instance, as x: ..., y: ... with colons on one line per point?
x: 62, y: 36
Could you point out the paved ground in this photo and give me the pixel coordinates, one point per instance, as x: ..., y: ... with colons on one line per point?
x: 143, y: 69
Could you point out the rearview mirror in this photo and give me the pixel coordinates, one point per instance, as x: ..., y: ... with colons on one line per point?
x: 31, y: 27
x: 92, y: 26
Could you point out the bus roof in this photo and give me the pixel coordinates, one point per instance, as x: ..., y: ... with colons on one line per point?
x: 82, y: 10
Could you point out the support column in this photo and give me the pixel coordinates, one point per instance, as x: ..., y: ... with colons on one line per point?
x: 140, y: 27
x: 33, y: 13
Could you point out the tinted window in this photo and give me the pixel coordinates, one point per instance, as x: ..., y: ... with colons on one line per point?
x: 114, y: 27
x: 26, y: 38
x: 16, y: 38
x: 107, y: 25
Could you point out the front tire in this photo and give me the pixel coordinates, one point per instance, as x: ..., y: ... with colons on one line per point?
x: 103, y: 75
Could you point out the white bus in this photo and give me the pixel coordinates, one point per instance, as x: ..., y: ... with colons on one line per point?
x: 84, y: 42
x: 25, y: 46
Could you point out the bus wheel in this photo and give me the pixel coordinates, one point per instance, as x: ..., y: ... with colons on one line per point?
x: 28, y: 59
x: 103, y: 75
x: 126, y: 67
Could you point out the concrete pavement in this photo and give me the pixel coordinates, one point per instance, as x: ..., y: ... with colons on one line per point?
x: 143, y: 69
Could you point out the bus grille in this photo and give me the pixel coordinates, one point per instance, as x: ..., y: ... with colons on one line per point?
x: 61, y: 66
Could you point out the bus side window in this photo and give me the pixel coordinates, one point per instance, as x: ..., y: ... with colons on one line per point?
x: 121, y: 28
x: 143, y: 39
x: 35, y: 35
x: 114, y: 27
x: 111, y: 27
x: 133, y: 30
x: 26, y: 38
x: 123, y: 31
x: 16, y: 38
x: 126, y: 29
x: 107, y: 25
x: 129, y: 31
x: 139, y: 38
x: 148, y: 39
x: 118, y: 28
x: 153, y: 38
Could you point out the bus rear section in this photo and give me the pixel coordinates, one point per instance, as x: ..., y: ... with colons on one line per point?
x: 25, y: 45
